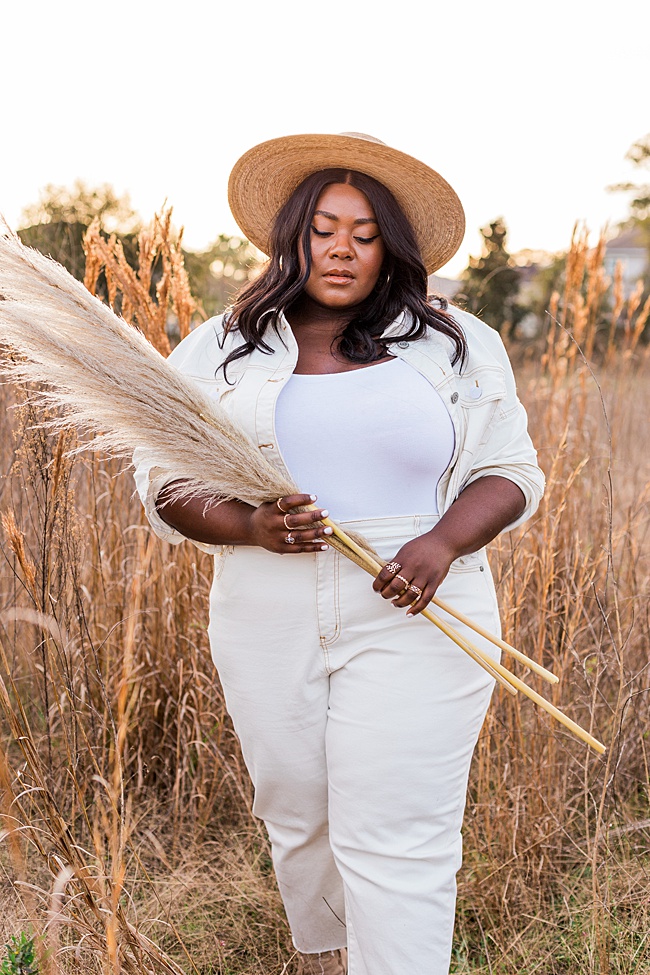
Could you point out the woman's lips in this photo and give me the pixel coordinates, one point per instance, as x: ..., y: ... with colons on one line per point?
x: 339, y: 277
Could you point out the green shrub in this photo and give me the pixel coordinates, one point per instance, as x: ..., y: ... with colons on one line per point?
x: 20, y: 956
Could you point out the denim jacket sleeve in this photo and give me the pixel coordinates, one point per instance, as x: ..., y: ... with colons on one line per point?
x: 503, y: 446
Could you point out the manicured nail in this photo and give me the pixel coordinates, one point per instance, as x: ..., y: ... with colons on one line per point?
x: 324, y: 548
x: 313, y: 497
x: 410, y: 616
x: 324, y: 513
x: 328, y: 531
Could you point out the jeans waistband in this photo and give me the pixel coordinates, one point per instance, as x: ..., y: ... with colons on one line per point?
x: 408, y: 526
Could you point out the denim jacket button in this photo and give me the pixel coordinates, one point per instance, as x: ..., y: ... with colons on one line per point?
x: 454, y: 397
x: 475, y: 392
x: 402, y: 345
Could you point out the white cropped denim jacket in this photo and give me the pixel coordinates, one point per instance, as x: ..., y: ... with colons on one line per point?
x: 490, y: 423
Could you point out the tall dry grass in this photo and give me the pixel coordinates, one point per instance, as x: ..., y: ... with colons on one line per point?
x: 556, y: 867
x: 128, y: 843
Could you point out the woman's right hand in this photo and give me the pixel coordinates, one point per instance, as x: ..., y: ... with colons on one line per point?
x: 274, y: 522
x: 238, y: 523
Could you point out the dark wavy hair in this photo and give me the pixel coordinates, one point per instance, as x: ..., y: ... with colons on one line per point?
x: 401, y: 286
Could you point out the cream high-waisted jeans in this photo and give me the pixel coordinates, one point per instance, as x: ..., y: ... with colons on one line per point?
x: 357, y: 726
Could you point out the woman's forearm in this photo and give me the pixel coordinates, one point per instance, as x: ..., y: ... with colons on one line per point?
x: 479, y: 514
x: 225, y: 523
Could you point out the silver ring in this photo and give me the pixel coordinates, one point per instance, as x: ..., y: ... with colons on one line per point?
x: 290, y: 540
x: 393, y: 567
x: 416, y: 590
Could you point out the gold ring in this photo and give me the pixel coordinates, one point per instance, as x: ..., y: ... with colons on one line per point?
x: 280, y: 506
x: 402, y: 579
x: 393, y: 567
x: 416, y: 590
x: 288, y: 527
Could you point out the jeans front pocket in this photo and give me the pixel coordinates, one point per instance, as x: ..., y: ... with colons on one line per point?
x: 469, y: 588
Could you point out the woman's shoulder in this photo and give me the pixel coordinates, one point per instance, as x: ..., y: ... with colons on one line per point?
x: 204, y: 349
x: 475, y: 328
x: 483, y: 341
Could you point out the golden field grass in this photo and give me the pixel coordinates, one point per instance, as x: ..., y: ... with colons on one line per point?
x: 128, y: 844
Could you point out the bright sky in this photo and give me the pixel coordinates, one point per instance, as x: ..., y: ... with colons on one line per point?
x: 526, y: 108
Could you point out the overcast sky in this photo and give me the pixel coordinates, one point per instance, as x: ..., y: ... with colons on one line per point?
x: 526, y: 108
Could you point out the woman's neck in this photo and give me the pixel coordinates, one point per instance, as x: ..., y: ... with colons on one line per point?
x: 317, y: 330
x: 306, y: 317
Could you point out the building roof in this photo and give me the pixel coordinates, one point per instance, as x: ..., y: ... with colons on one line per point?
x: 627, y: 239
x: 443, y: 286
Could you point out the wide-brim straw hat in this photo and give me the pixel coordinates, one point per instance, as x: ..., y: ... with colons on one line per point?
x: 264, y: 178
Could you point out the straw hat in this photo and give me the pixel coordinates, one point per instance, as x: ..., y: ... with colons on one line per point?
x: 264, y: 178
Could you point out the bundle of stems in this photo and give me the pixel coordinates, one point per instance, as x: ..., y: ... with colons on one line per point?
x: 107, y: 380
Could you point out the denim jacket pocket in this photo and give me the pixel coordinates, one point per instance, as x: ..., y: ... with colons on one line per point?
x: 216, y: 387
x: 480, y: 386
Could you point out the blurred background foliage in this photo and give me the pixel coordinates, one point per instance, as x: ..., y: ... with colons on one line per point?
x: 58, y: 223
x: 514, y: 292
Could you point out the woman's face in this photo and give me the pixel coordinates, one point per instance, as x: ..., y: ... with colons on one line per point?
x: 347, y: 251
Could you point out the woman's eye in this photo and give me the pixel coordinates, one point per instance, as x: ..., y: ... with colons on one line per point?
x: 366, y: 240
x: 322, y: 233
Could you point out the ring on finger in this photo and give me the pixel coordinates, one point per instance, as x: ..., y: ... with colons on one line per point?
x: 393, y: 567
x: 288, y: 527
x: 280, y: 506
x: 402, y: 579
x: 290, y: 540
x: 416, y: 590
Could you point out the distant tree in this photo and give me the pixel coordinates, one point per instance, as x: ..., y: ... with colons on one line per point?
x: 61, y: 240
x: 490, y: 283
x: 639, y: 154
x: 57, y: 224
x: 217, y: 273
x: 81, y: 203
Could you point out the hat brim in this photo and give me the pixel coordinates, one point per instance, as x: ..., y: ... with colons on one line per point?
x: 264, y: 178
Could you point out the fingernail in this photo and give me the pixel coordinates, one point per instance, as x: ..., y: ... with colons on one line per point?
x: 324, y: 548
x: 313, y: 497
x: 324, y: 513
x: 410, y: 616
x: 328, y: 531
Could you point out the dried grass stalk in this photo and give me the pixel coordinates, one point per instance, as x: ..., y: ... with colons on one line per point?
x: 158, y: 247
x: 109, y: 381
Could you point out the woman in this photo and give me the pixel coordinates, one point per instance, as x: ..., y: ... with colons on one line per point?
x: 357, y: 726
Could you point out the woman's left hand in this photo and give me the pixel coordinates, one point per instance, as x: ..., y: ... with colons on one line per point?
x: 423, y: 564
x: 479, y: 513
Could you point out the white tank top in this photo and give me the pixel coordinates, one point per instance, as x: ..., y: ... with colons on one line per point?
x: 371, y: 442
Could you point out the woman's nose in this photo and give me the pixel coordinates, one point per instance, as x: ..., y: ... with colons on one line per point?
x: 341, y: 246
